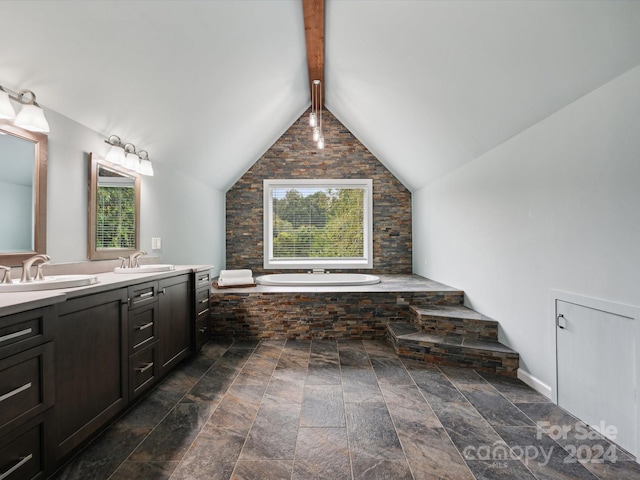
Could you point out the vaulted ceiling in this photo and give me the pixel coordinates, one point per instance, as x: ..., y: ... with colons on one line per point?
x: 208, y: 86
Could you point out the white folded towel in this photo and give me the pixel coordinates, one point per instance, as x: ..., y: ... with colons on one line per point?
x: 229, y: 282
x: 244, y: 273
x: 229, y: 278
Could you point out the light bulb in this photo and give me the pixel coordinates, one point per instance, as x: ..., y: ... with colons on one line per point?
x: 316, y: 134
x: 321, y: 143
x: 115, y: 155
x: 312, y: 120
x: 146, y: 168
x: 31, y: 117
x: 7, y: 112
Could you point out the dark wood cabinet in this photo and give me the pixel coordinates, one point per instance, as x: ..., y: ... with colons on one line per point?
x: 201, y: 309
x: 69, y: 369
x: 175, y: 321
x: 91, y: 366
x: 23, y: 452
x: 27, y: 392
x: 144, y: 332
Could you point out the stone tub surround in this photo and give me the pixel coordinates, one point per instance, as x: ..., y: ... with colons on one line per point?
x: 294, y: 156
x: 423, y: 319
x: 334, y: 312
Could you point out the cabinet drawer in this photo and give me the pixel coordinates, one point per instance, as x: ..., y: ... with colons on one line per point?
x: 142, y: 294
x: 21, y: 456
x: 203, y: 332
x: 26, y: 385
x: 143, y: 327
x: 143, y: 370
x: 202, y: 300
x: 25, y: 330
x: 203, y: 279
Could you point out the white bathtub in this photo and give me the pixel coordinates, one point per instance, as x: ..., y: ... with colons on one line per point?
x: 317, y: 279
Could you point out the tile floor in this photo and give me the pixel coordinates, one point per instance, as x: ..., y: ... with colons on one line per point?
x: 340, y: 410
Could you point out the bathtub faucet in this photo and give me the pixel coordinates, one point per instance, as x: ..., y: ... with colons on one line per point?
x: 318, y: 271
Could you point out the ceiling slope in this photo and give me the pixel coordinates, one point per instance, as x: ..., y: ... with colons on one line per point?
x: 428, y: 86
x: 208, y: 86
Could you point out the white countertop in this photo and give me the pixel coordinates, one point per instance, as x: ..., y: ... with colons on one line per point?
x: 16, y: 302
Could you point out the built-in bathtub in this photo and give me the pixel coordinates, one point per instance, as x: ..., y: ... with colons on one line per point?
x: 317, y: 279
x: 327, y: 311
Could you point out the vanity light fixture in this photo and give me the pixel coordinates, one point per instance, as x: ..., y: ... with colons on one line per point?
x: 315, y: 118
x: 7, y: 111
x: 145, y: 164
x: 131, y: 161
x: 116, y: 153
x: 30, y: 117
x: 126, y: 156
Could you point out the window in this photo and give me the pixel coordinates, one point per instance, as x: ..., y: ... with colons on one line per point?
x: 116, y: 205
x: 318, y: 224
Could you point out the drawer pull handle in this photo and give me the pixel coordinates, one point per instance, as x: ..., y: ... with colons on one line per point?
x: 203, y: 330
x: 146, y: 295
x: 142, y: 370
x: 204, y: 301
x: 15, y: 392
x: 203, y: 312
x: 16, y: 466
x: 26, y: 331
x: 145, y: 326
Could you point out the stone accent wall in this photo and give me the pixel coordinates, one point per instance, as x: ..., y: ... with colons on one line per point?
x: 348, y: 315
x: 294, y: 156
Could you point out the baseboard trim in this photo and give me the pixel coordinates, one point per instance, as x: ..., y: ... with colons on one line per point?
x: 535, y: 383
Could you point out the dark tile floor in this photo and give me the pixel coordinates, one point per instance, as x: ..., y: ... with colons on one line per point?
x: 341, y: 410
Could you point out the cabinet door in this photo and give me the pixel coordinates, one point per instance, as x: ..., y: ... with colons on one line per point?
x: 202, y: 313
x: 175, y: 325
x: 91, y: 366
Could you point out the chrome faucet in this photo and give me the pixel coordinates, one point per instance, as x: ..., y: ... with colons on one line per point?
x: 39, y: 259
x: 134, y: 259
x: 6, y: 278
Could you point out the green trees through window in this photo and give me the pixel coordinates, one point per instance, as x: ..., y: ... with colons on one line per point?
x: 115, y: 223
x: 318, y: 223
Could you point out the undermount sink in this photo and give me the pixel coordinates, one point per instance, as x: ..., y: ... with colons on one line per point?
x: 158, y: 267
x: 49, y: 283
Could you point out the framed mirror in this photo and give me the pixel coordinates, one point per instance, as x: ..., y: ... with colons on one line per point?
x: 23, y: 194
x: 114, y: 210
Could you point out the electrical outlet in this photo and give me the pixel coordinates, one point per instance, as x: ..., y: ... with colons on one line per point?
x: 159, y: 243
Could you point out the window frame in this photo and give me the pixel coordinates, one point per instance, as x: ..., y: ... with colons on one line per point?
x: 280, y: 263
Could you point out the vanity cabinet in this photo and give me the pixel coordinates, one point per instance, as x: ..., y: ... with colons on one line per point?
x: 91, y: 360
x: 175, y: 321
x: 144, y: 327
x: 159, y: 329
x: 69, y: 369
x: 202, y: 309
x: 26, y: 392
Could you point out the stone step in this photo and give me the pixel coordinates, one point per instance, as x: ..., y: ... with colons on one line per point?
x: 454, y: 320
x: 452, y: 349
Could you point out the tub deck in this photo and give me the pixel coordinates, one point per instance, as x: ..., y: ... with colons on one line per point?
x: 388, y: 283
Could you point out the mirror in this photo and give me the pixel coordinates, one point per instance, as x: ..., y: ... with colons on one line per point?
x: 23, y: 194
x: 114, y: 210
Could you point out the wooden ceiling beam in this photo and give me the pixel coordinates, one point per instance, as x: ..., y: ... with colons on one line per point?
x: 314, y: 33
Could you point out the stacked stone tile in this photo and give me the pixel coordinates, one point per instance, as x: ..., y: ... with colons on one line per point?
x: 336, y: 315
x: 294, y: 156
x: 453, y: 335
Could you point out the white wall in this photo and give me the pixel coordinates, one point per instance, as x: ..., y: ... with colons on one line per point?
x: 185, y: 213
x: 555, y: 207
